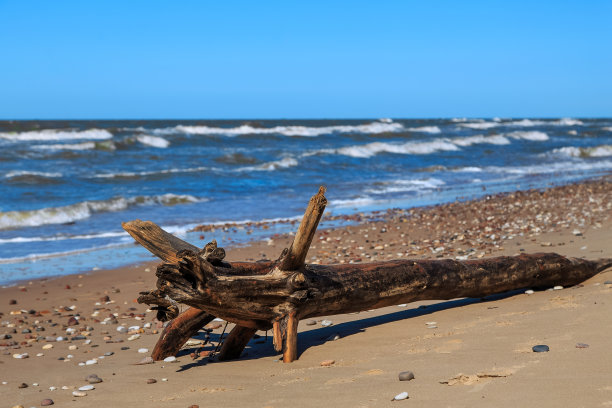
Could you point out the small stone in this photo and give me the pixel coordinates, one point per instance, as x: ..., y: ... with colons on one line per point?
x: 213, y: 326
x: 577, y: 232
x: 93, y: 379
x: 73, y: 321
x: 205, y: 353
x: 46, y: 402
x: 151, y: 381
x: 143, y: 350
x: 311, y: 322
x: 529, y: 292
x: 558, y: 288
x: 12, y: 302
x: 125, y: 348
x: 194, y: 406
x: 170, y: 359
x: 326, y: 323
x: 327, y: 363
x: 540, y: 348
x: 17, y: 406
x: 401, y: 396
x: 87, y: 388
x: 47, y: 346
x: 22, y: 385
x: 608, y: 282
x: 79, y: 394
x: 582, y: 345
x: 109, y: 353
x: 134, y: 337
x: 122, y: 329
x: 52, y: 388
x: 72, y: 347
x: 164, y: 379
x: 406, y: 376
x: 91, y: 362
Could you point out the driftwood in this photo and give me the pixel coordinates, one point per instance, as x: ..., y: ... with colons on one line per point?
x: 276, y: 295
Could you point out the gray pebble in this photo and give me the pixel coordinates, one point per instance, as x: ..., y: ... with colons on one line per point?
x: 22, y: 385
x: 540, y: 348
x: 311, y: 322
x: 93, y: 379
x: 151, y: 381
x: 406, y: 376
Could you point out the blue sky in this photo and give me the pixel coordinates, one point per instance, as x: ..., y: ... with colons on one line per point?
x: 239, y: 59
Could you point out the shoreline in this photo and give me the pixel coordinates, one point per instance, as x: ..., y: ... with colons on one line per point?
x: 481, y: 348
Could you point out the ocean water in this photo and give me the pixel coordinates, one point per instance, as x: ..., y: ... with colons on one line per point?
x: 67, y: 185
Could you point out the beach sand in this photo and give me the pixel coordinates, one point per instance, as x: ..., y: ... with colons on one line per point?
x: 463, y: 353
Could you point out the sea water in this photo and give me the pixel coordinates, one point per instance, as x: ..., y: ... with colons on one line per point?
x: 66, y: 186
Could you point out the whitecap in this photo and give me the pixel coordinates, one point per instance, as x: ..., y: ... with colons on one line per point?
x: 294, y: 130
x: 82, y: 210
x: 271, y: 166
x: 372, y: 149
x: 353, y: 202
x: 154, y: 141
x: 54, y: 134
x: 479, y: 125
x: 67, y: 146
x: 22, y: 173
x: 480, y: 139
x: 399, y: 186
x: 532, y: 135
x: 426, y: 129
x: 572, y: 151
x: 130, y: 174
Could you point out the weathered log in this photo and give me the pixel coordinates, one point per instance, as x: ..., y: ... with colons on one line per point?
x: 178, y: 331
x: 242, y: 294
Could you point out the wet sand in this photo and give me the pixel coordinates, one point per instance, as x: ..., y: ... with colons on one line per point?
x: 463, y: 353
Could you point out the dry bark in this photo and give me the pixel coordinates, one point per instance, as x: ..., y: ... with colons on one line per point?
x: 263, y: 296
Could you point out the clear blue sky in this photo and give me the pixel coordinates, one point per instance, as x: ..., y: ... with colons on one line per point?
x: 314, y: 59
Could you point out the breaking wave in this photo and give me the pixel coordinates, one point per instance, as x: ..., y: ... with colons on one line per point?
x: 103, y: 145
x: 571, y: 151
x: 273, y: 165
x: 426, y: 129
x: 25, y: 173
x: 305, y: 131
x: 137, y: 174
x: 53, y: 134
x: 154, y: 141
x: 400, y: 186
x: 85, y: 209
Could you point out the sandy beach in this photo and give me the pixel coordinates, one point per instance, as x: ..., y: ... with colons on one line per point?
x: 463, y: 353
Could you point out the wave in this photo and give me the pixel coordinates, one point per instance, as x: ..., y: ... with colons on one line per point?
x: 53, y: 134
x: 372, y: 149
x: 522, y: 123
x: 426, y: 129
x: 19, y: 240
x: 480, y: 139
x: 26, y: 173
x: 85, y: 209
x: 399, y: 186
x: 273, y: 165
x: 33, y: 257
x: 531, y: 135
x: 104, y: 145
x: 305, y: 131
x: 137, y: 174
x: 353, y: 202
x: 596, y: 151
x: 479, y: 125
x: 154, y: 141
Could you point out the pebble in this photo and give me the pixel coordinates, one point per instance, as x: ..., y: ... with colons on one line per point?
x: 401, y: 396
x: 582, y: 345
x: 608, y: 282
x: 22, y: 385
x: 87, y: 388
x: 151, y: 381
x: 143, y: 350
x: 164, y: 379
x: 109, y: 353
x: 93, y: 379
x: 122, y: 329
x: 134, y: 337
x: 311, y: 322
x: 20, y: 356
x: 17, y: 406
x: 327, y: 363
x: 540, y: 348
x: 326, y: 323
x: 529, y: 292
x: 47, y: 346
x: 73, y: 321
x: 79, y: 394
x: 46, y: 402
x: 406, y: 376
x: 170, y: 359
x: 52, y: 388
x: 558, y: 288
x: 71, y: 347
x: 91, y: 362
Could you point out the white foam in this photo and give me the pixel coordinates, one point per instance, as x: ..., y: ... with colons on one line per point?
x: 129, y: 174
x: 532, y: 135
x: 372, y: 149
x: 426, y: 129
x: 596, y: 151
x: 67, y: 146
x: 354, y: 202
x: 53, y: 134
x: 83, y: 210
x: 273, y: 165
x: 306, y: 131
x: 469, y: 169
x: 607, y: 128
x: 399, y: 186
x: 154, y: 141
x: 480, y: 139
x: 20, y: 173
x: 18, y: 240
x: 479, y: 125
x: 556, y: 167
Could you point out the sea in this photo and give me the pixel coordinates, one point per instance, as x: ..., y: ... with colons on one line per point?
x: 66, y: 186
